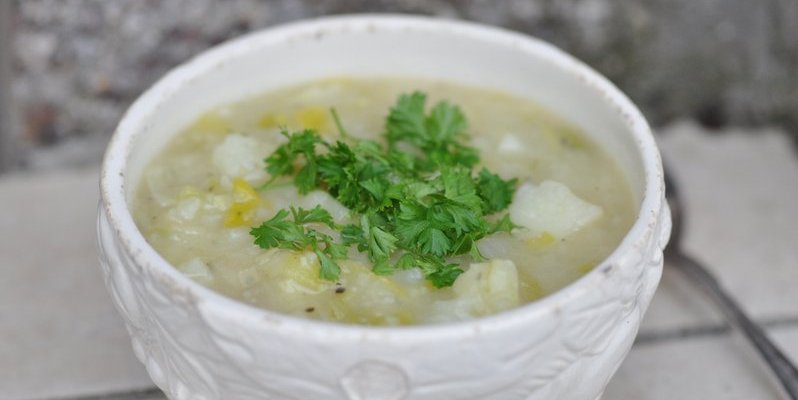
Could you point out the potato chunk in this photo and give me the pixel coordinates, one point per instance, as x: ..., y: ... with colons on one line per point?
x: 551, y: 208
x: 241, y: 156
x: 510, y: 144
x: 488, y: 287
x: 198, y: 271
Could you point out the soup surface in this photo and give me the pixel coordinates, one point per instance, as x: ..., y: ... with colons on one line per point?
x: 201, y: 196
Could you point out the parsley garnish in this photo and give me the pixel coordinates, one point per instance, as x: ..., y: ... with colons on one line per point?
x: 418, y: 199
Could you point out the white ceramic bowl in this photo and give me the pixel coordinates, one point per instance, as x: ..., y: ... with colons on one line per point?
x: 197, y: 344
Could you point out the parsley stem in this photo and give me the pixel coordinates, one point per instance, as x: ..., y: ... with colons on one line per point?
x: 341, y: 130
x: 272, y: 184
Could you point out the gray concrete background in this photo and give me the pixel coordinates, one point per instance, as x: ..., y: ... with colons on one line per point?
x: 77, y: 64
x: 6, y: 137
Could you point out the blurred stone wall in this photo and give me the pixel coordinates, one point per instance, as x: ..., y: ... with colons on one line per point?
x: 79, y: 63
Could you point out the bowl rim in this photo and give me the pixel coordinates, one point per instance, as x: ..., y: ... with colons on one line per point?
x: 115, y: 206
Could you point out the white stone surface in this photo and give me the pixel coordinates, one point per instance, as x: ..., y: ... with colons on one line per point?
x: 59, y: 333
x: 741, y: 194
x: 678, y: 305
x: 698, y: 368
x: 62, y: 338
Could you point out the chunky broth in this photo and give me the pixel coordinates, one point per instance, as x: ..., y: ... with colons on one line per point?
x: 198, y: 200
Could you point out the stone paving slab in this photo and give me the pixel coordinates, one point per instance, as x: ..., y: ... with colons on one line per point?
x: 741, y: 195
x: 700, y: 368
x: 59, y: 333
x: 60, y: 337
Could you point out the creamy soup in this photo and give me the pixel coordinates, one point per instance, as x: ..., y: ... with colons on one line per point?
x: 200, y: 198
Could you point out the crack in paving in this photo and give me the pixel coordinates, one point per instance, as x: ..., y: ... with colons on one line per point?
x: 152, y: 393
x: 648, y: 338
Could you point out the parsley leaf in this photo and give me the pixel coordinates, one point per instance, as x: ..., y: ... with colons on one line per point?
x: 434, y: 241
x: 329, y: 269
x: 280, y: 232
x: 496, y: 192
x: 406, y: 119
x: 445, y: 122
x: 316, y: 214
x: 438, y: 272
x: 503, y: 225
x: 445, y: 275
x: 459, y: 187
x: 300, y: 145
x: 380, y: 243
x: 272, y: 232
x: 383, y: 266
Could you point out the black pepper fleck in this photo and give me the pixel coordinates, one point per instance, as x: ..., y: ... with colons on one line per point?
x: 310, y: 309
x: 340, y: 289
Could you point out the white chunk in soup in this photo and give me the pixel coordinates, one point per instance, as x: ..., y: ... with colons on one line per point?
x: 199, y: 198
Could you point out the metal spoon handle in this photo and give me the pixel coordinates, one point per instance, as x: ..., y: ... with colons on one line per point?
x: 778, y: 362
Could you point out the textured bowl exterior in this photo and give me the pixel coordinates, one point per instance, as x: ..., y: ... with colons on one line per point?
x: 196, y: 344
